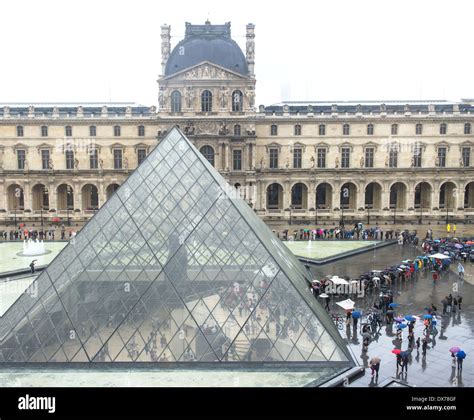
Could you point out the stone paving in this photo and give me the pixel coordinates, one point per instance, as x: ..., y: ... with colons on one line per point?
x: 453, y: 330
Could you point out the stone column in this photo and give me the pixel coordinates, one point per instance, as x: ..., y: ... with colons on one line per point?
x: 286, y: 194
x: 261, y: 195
x: 385, y: 198
x: 27, y: 196
x: 53, y: 197
x: 410, y: 198
x: 227, y: 157
x: 3, y: 195
x: 336, y: 196
x: 312, y: 195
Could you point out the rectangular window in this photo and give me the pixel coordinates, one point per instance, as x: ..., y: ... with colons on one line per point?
x: 442, y: 157
x: 345, y: 157
x: 45, y: 158
x: 466, y: 157
x: 118, y: 158
x: 237, y: 160
x: 417, y: 157
x: 273, y: 130
x: 19, y: 131
x: 69, y: 159
x: 393, y: 158
x: 21, y: 156
x: 369, y: 157
x: 141, y: 154
x: 297, y: 158
x: 273, y: 158
x: 321, y: 158
x: 94, y: 158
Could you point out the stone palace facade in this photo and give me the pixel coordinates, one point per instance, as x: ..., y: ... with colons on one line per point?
x: 298, y: 162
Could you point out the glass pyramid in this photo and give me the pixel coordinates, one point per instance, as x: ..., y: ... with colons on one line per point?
x: 172, y: 269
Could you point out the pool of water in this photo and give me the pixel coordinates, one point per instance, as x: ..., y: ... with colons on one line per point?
x: 326, y: 248
x: 10, y: 261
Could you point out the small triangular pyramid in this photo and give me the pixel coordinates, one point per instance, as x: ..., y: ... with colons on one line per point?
x: 173, y: 268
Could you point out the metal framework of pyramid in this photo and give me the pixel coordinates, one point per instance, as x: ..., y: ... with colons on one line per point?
x: 173, y: 268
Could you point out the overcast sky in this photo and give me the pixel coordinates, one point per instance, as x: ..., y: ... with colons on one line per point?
x: 101, y: 50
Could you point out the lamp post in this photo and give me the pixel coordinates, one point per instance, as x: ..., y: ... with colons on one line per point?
x: 316, y: 216
x: 68, y: 195
x: 368, y: 213
x: 395, y: 214
x: 447, y: 205
x: 344, y: 194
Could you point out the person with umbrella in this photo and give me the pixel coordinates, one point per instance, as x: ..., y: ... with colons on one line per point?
x: 453, y: 351
x: 459, y: 302
x: 374, y: 365
x: 405, y: 355
x: 32, y: 266
x: 460, y: 271
x: 397, y: 352
x: 460, y: 355
x: 424, y: 346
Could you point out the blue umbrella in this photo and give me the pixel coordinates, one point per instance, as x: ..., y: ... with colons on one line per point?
x: 356, y: 314
x: 410, y: 318
x: 401, y: 326
x: 461, y: 354
x: 428, y: 316
x: 393, y: 305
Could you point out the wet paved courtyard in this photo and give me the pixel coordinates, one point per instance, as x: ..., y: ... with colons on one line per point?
x: 457, y: 329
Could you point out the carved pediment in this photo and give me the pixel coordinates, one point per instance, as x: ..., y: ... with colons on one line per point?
x: 206, y: 71
x: 273, y: 146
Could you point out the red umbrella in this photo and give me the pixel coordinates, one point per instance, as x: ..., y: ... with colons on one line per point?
x: 56, y: 219
x: 396, y: 351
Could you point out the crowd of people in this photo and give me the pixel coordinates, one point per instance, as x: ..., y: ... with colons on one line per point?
x: 439, y: 256
x: 23, y: 234
x: 356, y: 232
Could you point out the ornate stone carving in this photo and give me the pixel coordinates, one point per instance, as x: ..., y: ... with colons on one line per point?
x: 336, y: 162
x: 250, y: 95
x: 207, y: 71
x: 189, y: 97
x: 162, y: 97
x: 207, y: 127
x: 223, y: 96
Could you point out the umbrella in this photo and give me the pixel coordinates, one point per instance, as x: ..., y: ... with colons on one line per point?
x: 324, y: 296
x: 338, y: 280
x: 428, y: 317
x: 410, y: 318
x: 356, y: 314
x: 390, y: 312
x: 401, y: 326
x: 461, y: 354
x: 396, y: 351
x: 405, y: 353
x: 346, y: 304
x: 398, y: 319
x: 439, y: 256
x: 458, y: 246
x: 393, y: 305
x: 374, y: 360
x: 454, y: 349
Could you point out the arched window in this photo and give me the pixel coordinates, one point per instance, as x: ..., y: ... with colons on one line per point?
x: 208, y: 153
x: 274, y: 130
x: 19, y: 131
x: 176, y: 101
x: 237, y: 101
x: 443, y: 128
x: 237, y: 130
x: 346, y: 129
x: 141, y: 131
x: 370, y: 129
x: 68, y: 131
x: 92, y: 131
x: 117, y: 131
x: 419, y: 129
x: 298, y: 130
x: 44, y: 131
x: 322, y: 130
x: 467, y: 128
x: 206, y: 101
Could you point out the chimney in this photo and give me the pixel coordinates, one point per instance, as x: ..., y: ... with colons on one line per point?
x: 250, y: 48
x: 165, y: 46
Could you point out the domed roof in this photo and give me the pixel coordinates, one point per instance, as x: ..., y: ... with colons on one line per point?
x: 207, y: 43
